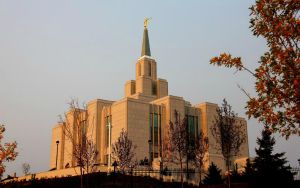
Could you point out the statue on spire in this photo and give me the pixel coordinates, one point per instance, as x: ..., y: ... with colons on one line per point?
x: 146, y: 20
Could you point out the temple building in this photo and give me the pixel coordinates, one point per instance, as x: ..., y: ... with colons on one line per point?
x: 144, y: 112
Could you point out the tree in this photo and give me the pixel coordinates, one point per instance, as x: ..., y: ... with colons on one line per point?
x: 7, y: 151
x: 166, y: 149
x: 200, y: 151
x: 236, y: 176
x: 248, y: 174
x: 178, y: 141
x: 25, y: 168
x: 270, y: 169
x: 123, y: 151
x: 229, y: 133
x: 213, y: 176
x: 75, y: 130
x: 277, y: 103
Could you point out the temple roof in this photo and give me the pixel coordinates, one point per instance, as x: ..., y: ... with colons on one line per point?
x: 146, y: 44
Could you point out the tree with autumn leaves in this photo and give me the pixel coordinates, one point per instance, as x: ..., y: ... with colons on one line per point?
x: 7, y: 151
x: 277, y: 103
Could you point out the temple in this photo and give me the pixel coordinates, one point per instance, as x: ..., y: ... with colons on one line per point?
x: 144, y: 112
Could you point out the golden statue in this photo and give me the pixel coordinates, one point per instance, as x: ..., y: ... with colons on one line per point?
x: 146, y: 20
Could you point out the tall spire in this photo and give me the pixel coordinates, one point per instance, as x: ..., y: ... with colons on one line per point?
x: 146, y: 44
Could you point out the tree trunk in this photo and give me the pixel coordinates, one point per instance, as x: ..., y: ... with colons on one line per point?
x: 181, y: 173
x: 161, y: 168
x: 187, y: 167
x: 200, y: 178
x: 87, y: 177
x: 228, y: 178
x: 81, y: 178
x: 131, y: 177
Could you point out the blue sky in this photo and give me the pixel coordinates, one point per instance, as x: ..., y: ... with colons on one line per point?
x: 51, y: 51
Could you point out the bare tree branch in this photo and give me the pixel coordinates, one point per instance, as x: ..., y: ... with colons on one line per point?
x: 25, y: 168
x: 178, y: 141
x: 200, y: 152
x: 75, y: 128
x: 228, y: 132
x: 123, y: 152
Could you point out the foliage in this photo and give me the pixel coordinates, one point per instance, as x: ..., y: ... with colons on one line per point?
x: 7, y: 151
x: 228, y: 132
x: 123, y: 151
x: 200, y: 152
x: 178, y: 141
x: 277, y: 103
x: 75, y: 130
x: 249, y: 172
x: 236, y: 176
x: 26, y: 168
x: 270, y: 169
x: 213, y: 176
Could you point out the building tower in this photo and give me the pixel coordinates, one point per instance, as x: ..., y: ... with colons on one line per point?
x: 146, y: 84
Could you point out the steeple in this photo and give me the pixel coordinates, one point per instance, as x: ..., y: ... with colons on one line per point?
x: 146, y: 44
x: 146, y: 85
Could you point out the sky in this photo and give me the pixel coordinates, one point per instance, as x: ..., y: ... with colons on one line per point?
x: 52, y: 51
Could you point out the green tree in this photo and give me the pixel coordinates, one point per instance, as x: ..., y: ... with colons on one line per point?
x: 270, y: 169
x: 213, y: 176
x: 248, y: 174
x: 236, y: 176
x: 277, y: 103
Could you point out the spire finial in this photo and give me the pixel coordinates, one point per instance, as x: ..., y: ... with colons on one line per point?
x: 146, y: 44
x: 146, y: 20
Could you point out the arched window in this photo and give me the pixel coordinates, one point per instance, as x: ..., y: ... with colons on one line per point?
x: 149, y: 69
x: 139, y: 69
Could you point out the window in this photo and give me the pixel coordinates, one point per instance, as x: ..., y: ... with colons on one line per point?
x: 133, y: 88
x: 155, y: 134
x: 154, y: 88
x: 83, y: 131
x: 139, y: 69
x: 196, y: 127
x: 149, y: 69
x: 108, y: 123
x: 83, y: 127
x: 191, y: 130
x: 150, y: 123
x: 155, y: 126
x: 192, y: 126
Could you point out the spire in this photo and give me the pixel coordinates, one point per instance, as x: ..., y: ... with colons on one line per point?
x: 146, y: 44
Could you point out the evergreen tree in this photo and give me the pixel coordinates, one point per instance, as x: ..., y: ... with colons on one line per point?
x: 270, y: 169
x: 213, y: 176
x: 248, y: 174
x: 236, y: 176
